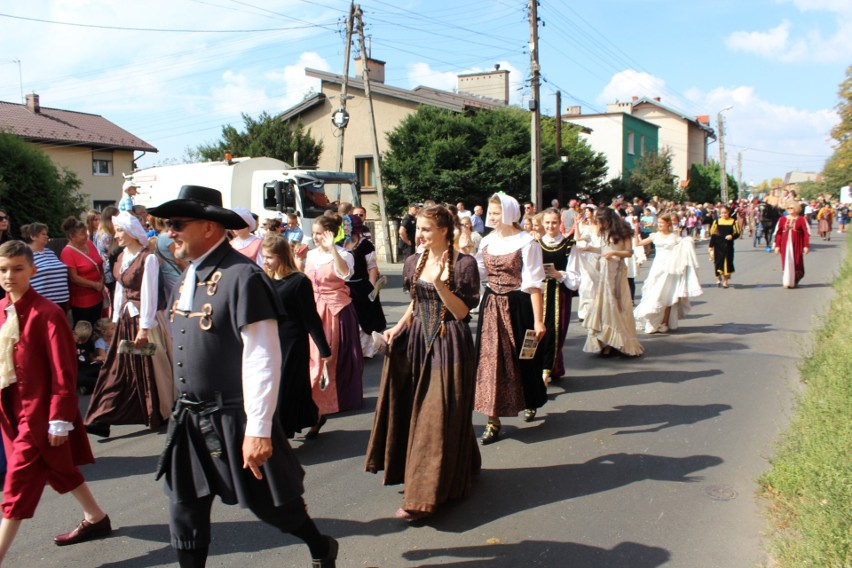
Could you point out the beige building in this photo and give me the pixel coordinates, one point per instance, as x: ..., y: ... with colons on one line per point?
x: 97, y: 150
x: 391, y: 105
x: 685, y: 136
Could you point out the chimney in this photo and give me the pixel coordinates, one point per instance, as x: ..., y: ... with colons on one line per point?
x: 703, y: 119
x: 634, y: 99
x: 657, y: 99
x: 573, y: 111
x: 492, y: 84
x: 375, y: 69
x: 32, y: 103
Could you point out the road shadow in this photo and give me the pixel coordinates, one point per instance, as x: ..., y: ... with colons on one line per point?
x: 331, y: 445
x: 731, y: 328
x: 631, y: 379
x: 117, y: 467
x: 544, y: 553
x: 654, y: 418
x: 500, y: 493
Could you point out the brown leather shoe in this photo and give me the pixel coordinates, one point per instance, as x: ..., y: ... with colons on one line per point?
x: 85, y: 531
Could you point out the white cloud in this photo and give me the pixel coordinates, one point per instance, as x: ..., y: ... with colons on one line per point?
x: 629, y: 83
x: 782, y: 43
x: 779, y: 138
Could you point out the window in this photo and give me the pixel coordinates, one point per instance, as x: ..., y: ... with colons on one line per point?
x: 631, y: 143
x: 641, y: 145
x: 366, y: 172
x: 102, y: 163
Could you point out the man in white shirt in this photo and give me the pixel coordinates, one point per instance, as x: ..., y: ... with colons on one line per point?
x: 224, y: 439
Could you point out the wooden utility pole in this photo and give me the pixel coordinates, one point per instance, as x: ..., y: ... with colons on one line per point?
x: 535, y: 107
x: 723, y: 181
x: 365, y: 60
x: 559, y: 189
x: 344, y: 90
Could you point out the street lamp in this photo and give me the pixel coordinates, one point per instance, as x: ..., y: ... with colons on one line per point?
x: 720, y: 120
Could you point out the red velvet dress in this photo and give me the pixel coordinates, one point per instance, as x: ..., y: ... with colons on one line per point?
x: 45, y: 390
x: 796, y: 234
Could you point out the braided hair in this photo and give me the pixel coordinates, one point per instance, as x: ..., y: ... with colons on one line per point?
x: 443, y: 219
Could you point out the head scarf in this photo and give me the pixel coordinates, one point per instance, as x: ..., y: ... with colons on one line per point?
x: 247, y: 217
x: 511, y: 209
x: 131, y: 226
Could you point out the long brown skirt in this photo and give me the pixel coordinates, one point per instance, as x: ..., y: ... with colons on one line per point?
x: 422, y: 431
x: 132, y: 389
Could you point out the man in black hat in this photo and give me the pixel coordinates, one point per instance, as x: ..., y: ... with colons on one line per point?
x: 222, y: 437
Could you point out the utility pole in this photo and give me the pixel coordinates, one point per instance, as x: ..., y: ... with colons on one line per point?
x: 535, y: 106
x: 559, y: 145
x: 720, y: 119
x: 343, y: 116
x: 376, y: 156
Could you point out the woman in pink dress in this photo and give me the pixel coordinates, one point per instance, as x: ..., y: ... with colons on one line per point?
x: 792, y: 242
x: 336, y: 382
x: 245, y: 240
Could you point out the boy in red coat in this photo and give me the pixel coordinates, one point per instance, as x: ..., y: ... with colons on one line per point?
x: 42, y: 428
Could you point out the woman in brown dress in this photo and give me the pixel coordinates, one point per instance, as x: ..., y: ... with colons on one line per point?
x: 422, y: 431
x: 134, y: 389
x: 510, y: 260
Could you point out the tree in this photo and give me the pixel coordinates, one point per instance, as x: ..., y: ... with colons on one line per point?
x: 447, y: 156
x: 653, y: 178
x: 266, y: 136
x: 838, y: 169
x: 33, y: 189
x: 705, y: 183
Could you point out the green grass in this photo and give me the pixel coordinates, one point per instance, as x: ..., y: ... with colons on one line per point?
x: 810, y: 482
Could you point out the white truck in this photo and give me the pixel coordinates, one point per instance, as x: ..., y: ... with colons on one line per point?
x: 265, y: 186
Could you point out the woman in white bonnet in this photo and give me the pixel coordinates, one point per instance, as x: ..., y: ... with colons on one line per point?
x: 510, y: 265
x: 245, y: 241
x: 134, y: 389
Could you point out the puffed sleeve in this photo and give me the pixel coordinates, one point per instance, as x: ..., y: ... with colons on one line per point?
x: 350, y: 262
x: 150, y: 289
x: 467, y: 280
x: 532, y: 273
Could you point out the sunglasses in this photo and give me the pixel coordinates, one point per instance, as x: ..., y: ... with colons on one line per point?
x: 3, y: 218
x: 178, y: 225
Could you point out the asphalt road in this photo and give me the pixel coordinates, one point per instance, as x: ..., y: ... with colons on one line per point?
x: 632, y: 463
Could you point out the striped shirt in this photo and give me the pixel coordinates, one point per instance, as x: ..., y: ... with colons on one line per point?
x: 51, y: 277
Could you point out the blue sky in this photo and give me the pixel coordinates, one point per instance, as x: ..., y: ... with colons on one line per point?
x: 778, y: 62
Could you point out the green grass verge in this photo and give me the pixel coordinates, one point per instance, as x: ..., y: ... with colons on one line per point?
x: 810, y: 482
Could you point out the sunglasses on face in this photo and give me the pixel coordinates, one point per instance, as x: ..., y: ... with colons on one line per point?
x: 178, y: 225
x: 3, y: 218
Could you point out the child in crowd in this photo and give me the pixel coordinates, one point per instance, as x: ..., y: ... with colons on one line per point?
x: 105, y: 330
x: 88, y: 366
x: 42, y: 428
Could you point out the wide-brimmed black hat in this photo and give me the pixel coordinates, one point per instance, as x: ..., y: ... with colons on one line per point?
x: 199, y: 202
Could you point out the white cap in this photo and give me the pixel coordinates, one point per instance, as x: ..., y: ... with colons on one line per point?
x: 247, y: 217
x: 128, y: 184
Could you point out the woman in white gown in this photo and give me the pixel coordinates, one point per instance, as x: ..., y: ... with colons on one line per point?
x: 672, y: 280
x: 588, y: 246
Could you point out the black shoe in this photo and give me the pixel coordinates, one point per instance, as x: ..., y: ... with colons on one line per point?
x: 529, y: 414
x: 101, y: 430
x: 492, y: 432
x: 330, y: 559
x: 314, y: 431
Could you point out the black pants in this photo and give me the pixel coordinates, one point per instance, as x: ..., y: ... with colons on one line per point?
x: 91, y: 314
x: 189, y: 521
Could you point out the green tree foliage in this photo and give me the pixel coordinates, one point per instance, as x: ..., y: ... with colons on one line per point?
x: 705, y: 183
x: 33, y: 189
x: 265, y: 136
x: 838, y: 169
x: 652, y: 177
x: 447, y: 156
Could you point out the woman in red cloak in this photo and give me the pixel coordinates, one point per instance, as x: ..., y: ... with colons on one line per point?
x: 792, y: 242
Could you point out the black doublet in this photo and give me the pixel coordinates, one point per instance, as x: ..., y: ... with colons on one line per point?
x: 208, y: 370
